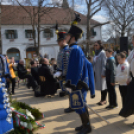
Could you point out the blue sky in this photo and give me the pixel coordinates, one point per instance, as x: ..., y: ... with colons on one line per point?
x: 81, y: 7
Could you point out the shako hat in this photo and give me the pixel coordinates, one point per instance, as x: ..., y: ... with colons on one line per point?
x: 60, y: 34
x: 75, y: 30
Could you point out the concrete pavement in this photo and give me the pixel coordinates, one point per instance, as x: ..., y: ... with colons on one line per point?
x: 57, y: 122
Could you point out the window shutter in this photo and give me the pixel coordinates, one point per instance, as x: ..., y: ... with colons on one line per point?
x: 45, y: 36
x: 34, y: 33
x: 15, y: 34
x: 6, y: 34
x: 26, y: 34
x: 51, y: 33
x: 93, y: 32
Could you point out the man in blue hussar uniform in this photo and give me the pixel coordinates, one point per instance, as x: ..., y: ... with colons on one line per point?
x: 6, y: 122
x: 62, y: 62
x: 79, y: 78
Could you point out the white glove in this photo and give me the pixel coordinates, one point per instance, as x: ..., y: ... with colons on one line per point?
x: 57, y: 74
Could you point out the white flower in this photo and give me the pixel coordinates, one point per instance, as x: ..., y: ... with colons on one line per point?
x: 28, y: 113
x: 25, y: 124
x: 21, y: 123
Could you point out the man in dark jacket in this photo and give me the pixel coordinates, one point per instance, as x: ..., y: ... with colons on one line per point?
x: 34, y: 71
x: 22, y: 74
x: 48, y: 83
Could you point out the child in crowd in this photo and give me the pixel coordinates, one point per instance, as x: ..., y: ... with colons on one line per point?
x: 122, y: 74
x: 110, y: 79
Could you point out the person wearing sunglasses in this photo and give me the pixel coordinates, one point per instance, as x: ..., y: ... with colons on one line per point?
x: 99, y: 64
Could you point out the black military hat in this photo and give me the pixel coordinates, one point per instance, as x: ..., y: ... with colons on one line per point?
x: 61, y: 35
x: 75, y: 31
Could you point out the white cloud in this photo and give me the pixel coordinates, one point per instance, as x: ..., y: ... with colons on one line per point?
x: 56, y: 1
x: 100, y: 18
x: 79, y: 7
x: 6, y: 2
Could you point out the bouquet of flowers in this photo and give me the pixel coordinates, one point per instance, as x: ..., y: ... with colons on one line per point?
x: 25, y: 118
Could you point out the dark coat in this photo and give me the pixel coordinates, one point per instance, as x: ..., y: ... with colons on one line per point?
x: 21, y: 70
x: 47, y: 82
x: 128, y: 109
x: 34, y: 73
x: 110, y: 70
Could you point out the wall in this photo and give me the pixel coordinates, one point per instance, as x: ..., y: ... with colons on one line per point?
x: 49, y: 47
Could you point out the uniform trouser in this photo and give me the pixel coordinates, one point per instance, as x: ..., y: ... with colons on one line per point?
x: 84, y: 109
x: 123, y: 92
x: 61, y: 85
x: 111, y: 94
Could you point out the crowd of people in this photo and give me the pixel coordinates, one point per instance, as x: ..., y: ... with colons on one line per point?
x: 44, y: 76
x: 80, y: 74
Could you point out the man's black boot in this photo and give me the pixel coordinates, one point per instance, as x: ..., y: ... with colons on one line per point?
x: 28, y: 85
x: 86, y: 124
x: 69, y: 110
x: 63, y: 93
x: 80, y: 127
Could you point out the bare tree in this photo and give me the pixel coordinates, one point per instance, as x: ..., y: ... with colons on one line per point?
x: 37, y: 9
x: 93, y: 7
x: 121, y: 12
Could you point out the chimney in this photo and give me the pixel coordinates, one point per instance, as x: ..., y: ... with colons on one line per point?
x: 65, y: 4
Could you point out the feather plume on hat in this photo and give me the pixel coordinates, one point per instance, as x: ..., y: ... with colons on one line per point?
x: 75, y: 30
x: 77, y: 19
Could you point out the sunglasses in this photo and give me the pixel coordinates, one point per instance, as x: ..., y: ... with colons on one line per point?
x: 95, y: 45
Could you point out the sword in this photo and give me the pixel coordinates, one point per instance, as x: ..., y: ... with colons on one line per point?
x: 97, y: 114
x: 80, y: 85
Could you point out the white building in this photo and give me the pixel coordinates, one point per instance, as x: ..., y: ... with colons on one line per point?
x: 16, y: 32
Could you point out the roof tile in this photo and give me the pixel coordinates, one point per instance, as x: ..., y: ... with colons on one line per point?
x: 16, y: 15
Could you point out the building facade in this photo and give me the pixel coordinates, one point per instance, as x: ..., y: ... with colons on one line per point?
x: 17, y: 40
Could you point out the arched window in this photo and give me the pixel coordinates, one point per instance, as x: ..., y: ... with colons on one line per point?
x: 13, y: 52
x: 48, y: 33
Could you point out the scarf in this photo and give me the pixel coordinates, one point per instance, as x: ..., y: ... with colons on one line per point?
x: 97, y: 51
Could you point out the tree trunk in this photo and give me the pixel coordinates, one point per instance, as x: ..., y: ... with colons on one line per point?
x: 123, y: 31
x: 88, y: 31
x: 38, y: 48
x: 33, y: 26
